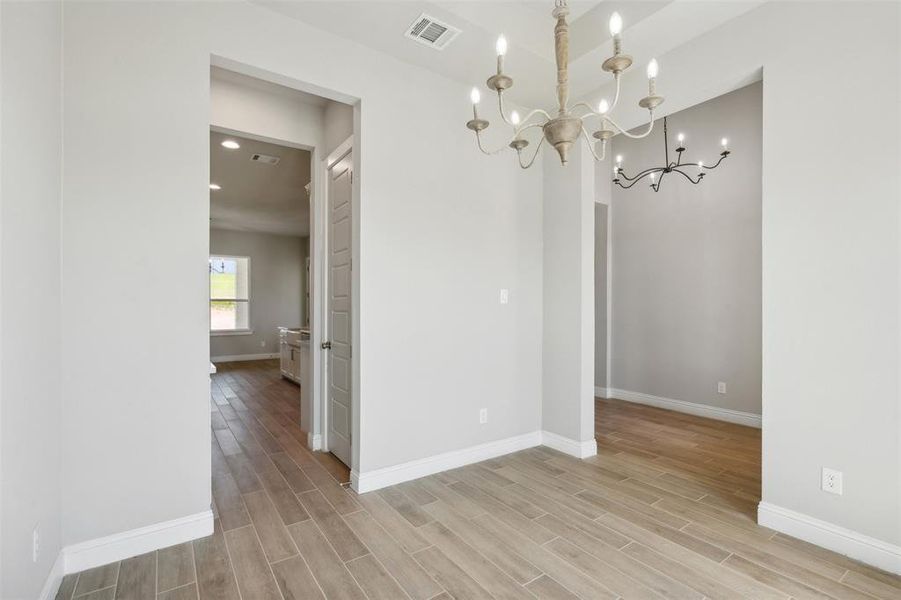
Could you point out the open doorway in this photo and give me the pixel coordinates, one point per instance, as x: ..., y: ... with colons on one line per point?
x: 678, y: 319
x: 281, y: 292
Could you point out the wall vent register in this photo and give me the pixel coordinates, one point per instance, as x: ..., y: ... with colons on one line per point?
x: 265, y: 158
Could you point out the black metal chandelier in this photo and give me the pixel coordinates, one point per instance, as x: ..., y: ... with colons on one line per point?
x: 619, y: 175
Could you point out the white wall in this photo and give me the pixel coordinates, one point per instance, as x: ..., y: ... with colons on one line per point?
x: 418, y: 240
x: 830, y: 243
x: 686, y: 261
x: 29, y: 293
x: 276, y: 288
x: 568, y: 303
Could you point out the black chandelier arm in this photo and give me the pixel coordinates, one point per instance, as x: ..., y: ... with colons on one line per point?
x: 687, y: 176
x: 625, y: 187
x: 640, y: 175
x: 665, y: 142
x: 656, y: 186
x: 709, y: 168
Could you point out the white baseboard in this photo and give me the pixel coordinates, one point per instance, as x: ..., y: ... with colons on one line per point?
x: 691, y: 408
x: 54, y: 579
x: 601, y: 392
x: 119, y: 546
x: 568, y: 446
x: 242, y: 357
x: 380, y: 478
x: 314, y: 441
x: 855, y: 545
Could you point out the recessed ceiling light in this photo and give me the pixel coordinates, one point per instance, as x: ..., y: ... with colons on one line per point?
x: 231, y: 144
x: 215, y: 186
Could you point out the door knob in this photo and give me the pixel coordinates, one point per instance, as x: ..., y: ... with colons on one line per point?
x: 326, y: 345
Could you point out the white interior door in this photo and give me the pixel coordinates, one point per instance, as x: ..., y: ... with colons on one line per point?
x: 339, y: 311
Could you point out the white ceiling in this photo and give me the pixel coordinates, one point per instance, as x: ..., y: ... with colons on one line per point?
x: 651, y: 29
x: 256, y: 196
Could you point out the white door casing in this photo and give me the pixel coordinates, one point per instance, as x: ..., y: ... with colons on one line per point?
x: 339, y: 309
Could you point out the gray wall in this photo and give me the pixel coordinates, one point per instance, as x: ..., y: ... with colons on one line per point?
x: 30, y: 403
x: 600, y: 295
x: 337, y: 125
x: 686, y: 262
x: 276, y: 288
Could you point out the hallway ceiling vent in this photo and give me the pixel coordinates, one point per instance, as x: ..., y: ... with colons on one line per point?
x: 265, y: 158
x: 432, y: 32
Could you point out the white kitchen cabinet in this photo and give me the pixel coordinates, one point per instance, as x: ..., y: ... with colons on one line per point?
x: 289, y: 352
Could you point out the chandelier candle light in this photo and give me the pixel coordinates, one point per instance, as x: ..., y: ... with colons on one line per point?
x: 563, y: 130
x: 676, y: 166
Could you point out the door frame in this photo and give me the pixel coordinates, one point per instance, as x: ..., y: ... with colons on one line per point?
x: 317, y: 145
x: 320, y: 283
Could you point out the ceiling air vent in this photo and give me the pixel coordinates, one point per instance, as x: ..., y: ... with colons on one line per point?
x: 431, y: 32
x: 265, y: 158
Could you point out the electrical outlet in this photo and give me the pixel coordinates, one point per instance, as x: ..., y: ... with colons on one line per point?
x: 505, y: 296
x: 832, y: 481
x: 35, y: 543
x: 483, y: 416
x: 262, y: 343
x: 721, y: 387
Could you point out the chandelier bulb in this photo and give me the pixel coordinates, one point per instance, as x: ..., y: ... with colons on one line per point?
x: 603, y: 107
x: 616, y: 24
x: 653, y: 68
x: 501, y: 45
x: 725, y: 143
x: 475, y: 96
x: 619, y: 159
x: 700, y: 165
x: 681, y: 137
x: 514, y: 118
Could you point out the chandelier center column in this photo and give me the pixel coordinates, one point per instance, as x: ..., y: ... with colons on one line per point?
x: 561, y: 47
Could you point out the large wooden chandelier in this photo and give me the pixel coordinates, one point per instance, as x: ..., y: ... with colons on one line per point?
x: 562, y: 131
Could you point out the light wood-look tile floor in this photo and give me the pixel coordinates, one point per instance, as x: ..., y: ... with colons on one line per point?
x: 666, y: 510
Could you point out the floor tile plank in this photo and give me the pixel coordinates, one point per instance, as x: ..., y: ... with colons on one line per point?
x: 175, y: 567
x: 185, y: 592
x: 486, y: 573
x: 97, y: 579
x: 342, y: 539
x: 460, y: 585
x: 374, y: 579
x: 416, y: 582
x: 329, y: 570
x: 137, y: 578
x: 295, y: 580
x: 215, y: 576
x: 276, y: 542
x: 255, y: 580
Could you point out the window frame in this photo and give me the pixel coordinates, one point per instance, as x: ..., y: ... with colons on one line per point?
x: 223, y: 332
